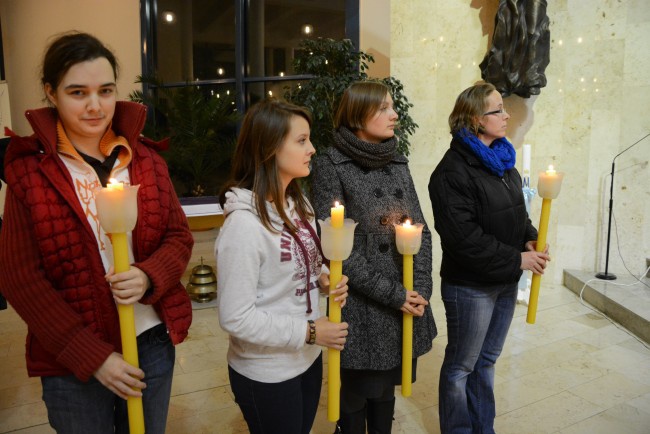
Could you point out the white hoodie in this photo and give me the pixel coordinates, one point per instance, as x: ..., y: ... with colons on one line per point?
x: 261, y: 291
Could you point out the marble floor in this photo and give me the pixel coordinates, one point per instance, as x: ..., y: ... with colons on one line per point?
x: 573, y: 372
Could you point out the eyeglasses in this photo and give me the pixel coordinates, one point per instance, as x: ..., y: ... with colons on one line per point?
x: 501, y: 111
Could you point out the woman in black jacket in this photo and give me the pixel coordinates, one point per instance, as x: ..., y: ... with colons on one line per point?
x: 487, y: 240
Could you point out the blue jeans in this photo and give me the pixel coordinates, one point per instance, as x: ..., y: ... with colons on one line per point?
x: 478, y: 320
x: 287, y: 407
x: 75, y: 407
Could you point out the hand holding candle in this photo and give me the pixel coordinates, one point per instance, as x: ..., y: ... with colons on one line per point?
x: 337, y: 236
x: 408, y: 238
x: 548, y: 187
x: 117, y: 209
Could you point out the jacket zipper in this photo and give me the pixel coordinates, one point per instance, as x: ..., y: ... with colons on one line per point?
x: 505, y: 183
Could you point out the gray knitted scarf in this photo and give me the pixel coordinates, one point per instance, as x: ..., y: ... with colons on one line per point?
x: 370, y: 155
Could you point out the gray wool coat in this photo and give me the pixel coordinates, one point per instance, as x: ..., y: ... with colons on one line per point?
x: 376, y: 199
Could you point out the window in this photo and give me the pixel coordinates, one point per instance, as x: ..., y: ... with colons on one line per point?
x: 248, y: 44
x: 240, y: 48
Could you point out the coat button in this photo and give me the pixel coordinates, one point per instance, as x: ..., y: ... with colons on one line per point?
x: 399, y: 193
x: 386, y: 170
x: 383, y: 248
x: 378, y: 193
x: 384, y: 220
x: 365, y: 170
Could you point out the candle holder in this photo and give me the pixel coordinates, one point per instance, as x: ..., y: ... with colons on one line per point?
x: 117, y: 210
x: 548, y: 187
x: 408, y: 239
x: 336, y: 243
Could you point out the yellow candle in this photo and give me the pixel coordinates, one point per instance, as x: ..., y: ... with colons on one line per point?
x: 541, y: 244
x: 337, y: 215
x: 407, y: 331
x: 548, y: 187
x: 117, y: 211
x: 408, y: 238
x: 334, y: 356
x: 127, y: 332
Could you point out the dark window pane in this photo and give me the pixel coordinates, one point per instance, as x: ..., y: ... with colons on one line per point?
x: 275, y: 27
x: 270, y: 89
x: 196, y: 39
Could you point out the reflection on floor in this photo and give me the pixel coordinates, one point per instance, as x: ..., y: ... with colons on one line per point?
x: 572, y: 372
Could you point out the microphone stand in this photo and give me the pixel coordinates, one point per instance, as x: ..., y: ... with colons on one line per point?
x: 607, y: 275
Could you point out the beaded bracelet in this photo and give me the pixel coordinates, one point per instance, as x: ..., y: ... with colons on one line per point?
x: 312, y: 332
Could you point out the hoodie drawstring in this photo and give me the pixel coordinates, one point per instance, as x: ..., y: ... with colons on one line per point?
x: 305, y: 254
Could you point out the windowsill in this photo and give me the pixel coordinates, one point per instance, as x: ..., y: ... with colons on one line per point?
x: 203, y: 213
x: 201, y: 206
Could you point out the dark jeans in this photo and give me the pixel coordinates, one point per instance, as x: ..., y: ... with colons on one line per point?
x: 478, y: 320
x: 75, y: 407
x: 288, y: 407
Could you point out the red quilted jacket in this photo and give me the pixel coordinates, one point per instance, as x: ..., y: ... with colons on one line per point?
x: 51, y: 271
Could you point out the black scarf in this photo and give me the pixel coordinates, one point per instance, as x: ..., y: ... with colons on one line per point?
x: 370, y: 155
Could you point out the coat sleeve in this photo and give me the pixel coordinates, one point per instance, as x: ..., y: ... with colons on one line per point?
x: 462, y: 238
x: 166, y: 265
x: 48, y: 316
x: 239, y: 252
x: 531, y: 232
x: 364, y: 277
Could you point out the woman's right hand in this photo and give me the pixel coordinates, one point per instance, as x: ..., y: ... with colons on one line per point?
x: 330, y: 334
x: 120, y: 377
x: 414, y: 304
x: 534, y: 261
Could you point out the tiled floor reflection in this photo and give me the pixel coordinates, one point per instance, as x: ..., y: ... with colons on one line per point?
x: 571, y: 373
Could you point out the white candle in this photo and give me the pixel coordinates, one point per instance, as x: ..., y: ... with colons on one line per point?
x: 526, y: 158
x: 549, y: 183
x: 408, y: 237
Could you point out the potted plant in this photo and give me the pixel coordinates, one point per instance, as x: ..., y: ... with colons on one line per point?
x: 334, y: 65
x: 202, y: 133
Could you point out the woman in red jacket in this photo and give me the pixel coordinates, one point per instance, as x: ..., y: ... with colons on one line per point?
x: 55, y: 259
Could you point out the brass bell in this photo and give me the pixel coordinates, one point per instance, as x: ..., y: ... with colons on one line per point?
x: 203, y: 283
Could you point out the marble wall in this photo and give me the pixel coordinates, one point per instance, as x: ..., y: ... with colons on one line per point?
x: 596, y: 104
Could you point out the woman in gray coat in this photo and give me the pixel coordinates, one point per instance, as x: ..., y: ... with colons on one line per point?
x: 363, y: 170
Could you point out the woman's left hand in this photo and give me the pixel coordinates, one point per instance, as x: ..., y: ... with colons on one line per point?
x: 341, y: 291
x: 128, y: 287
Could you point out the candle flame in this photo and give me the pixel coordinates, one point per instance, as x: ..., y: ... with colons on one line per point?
x: 337, y: 204
x: 407, y: 223
x: 550, y: 167
x: 112, y: 181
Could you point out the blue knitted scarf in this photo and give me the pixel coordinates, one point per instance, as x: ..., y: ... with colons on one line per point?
x: 498, y: 157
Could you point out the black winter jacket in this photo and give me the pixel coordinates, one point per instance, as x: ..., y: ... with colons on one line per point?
x: 481, y: 219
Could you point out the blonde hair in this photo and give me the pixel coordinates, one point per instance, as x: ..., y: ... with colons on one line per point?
x: 470, y: 105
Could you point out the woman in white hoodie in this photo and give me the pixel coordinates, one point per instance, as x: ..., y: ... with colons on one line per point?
x: 269, y: 262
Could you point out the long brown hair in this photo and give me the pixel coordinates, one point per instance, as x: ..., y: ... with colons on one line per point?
x: 254, y: 166
x: 469, y: 107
